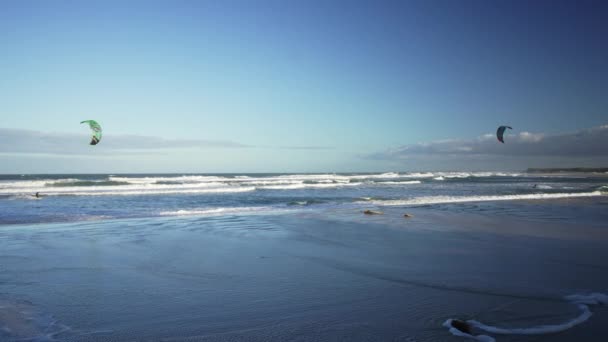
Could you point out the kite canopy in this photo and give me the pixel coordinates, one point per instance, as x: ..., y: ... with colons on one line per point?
x: 500, y: 132
x: 96, y: 128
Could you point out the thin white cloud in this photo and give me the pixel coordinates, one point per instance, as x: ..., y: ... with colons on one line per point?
x: 306, y: 147
x: 22, y: 141
x: 592, y: 142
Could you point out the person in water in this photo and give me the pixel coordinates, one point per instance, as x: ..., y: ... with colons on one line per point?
x: 37, y: 195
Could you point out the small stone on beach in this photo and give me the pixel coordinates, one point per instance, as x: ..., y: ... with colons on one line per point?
x: 462, y: 326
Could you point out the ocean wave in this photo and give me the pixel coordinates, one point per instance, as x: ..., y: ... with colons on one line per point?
x: 166, y: 182
x: 464, y: 199
x: 222, y: 211
x: 85, y: 183
x: 447, y: 174
x: 306, y: 202
x: 398, y: 182
x: 136, y: 192
x: 174, y: 184
x: 371, y: 176
x: 179, y: 179
x: 418, y: 175
x: 114, y: 187
x: 249, y: 180
x: 477, y: 174
x: 304, y: 186
x: 30, y: 184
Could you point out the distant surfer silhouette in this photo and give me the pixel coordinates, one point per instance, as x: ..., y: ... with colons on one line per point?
x: 37, y: 195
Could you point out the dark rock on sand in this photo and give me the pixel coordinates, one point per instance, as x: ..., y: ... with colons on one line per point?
x: 462, y: 326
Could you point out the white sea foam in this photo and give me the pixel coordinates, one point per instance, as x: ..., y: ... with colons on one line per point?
x: 131, y: 192
x: 418, y: 175
x: 31, y: 184
x: 400, y: 183
x: 307, y: 185
x: 464, y: 199
x: 136, y: 185
x: 443, y: 175
x: 372, y: 176
x: 582, y: 301
x: 168, y: 191
x: 181, y: 179
x: 224, y: 211
x: 101, y: 187
x: 538, y: 330
x: 270, y: 182
x: 462, y: 174
x: 477, y: 174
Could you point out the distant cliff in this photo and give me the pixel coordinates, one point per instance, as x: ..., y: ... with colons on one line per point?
x: 572, y: 169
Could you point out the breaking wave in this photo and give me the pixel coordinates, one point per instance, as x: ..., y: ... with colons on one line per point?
x: 464, y: 199
x: 91, y: 185
x: 398, y: 182
x: 85, y: 183
x: 224, y: 211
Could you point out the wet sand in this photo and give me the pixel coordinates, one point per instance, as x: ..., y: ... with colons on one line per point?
x: 341, y: 276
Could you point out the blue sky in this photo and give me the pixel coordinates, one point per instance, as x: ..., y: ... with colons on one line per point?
x: 296, y: 86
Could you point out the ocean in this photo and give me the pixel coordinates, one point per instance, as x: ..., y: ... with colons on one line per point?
x: 292, y: 257
x: 67, y: 198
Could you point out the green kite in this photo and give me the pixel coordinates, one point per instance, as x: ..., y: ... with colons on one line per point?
x: 96, y: 128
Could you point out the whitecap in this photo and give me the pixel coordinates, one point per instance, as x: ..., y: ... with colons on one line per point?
x: 464, y: 199
x: 223, y: 211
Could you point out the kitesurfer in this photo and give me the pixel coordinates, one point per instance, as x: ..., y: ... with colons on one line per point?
x: 500, y: 132
x: 96, y: 129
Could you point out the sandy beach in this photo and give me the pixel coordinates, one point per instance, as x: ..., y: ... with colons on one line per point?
x: 299, y: 277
